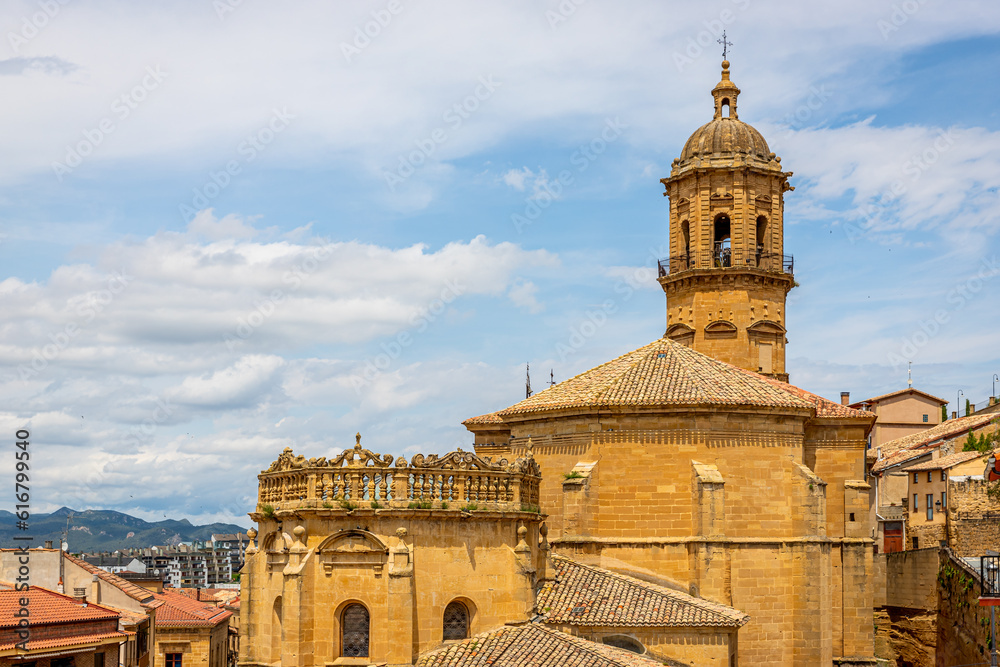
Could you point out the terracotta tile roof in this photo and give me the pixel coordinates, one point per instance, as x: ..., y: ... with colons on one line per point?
x: 531, y: 645
x: 181, y: 611
x: 915, y: 445
x: 945, y: 462
x: 49, y: 607
x: 667, y: 373
x: 75, y: 640
x: 893, y: 394
x: 134, y: 591
x: 491, y: 418
x: 586, y: 595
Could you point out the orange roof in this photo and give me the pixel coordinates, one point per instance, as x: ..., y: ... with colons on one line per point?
x: 893, y: 394
x: 591, y: 596
x: 49, y: 607
x: 531, y: 645
x: 137, y: 593
x: 667, y: 373
x: 181, y: 611
x: 945, y: 462
x: 491, y: 418
x: 75, y: 640
x: 915, y: 445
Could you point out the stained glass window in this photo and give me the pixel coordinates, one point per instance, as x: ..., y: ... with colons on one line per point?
x: 355, y: 633
x: 456, y: 621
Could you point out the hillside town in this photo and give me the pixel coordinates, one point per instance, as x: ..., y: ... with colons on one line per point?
x: 682, y: 503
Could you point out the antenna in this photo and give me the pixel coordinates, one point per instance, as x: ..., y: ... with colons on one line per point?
x: 552, y: 378
x: 527, y: 380
x: 909, y: 374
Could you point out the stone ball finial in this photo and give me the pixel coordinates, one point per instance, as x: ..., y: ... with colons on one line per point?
x: 357, y: 440
x: 725, y: 64
x: 252, y: 533
x: 298, y: 531
x: 521, y: 532
x: 771, y: 156
x: 400, y: 532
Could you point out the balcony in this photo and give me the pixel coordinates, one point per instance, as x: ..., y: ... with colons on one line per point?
x: 728, y: 258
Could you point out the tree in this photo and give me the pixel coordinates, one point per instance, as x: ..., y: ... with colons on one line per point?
x: 944, y: 412
x: 968, y: 407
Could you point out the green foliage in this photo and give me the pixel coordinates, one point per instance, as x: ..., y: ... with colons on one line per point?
x: 420, y: 505
x: 968, y: 407
x: 376, y: 505
x: 572, y: 474
x: 525, y: 507
x: 982, y: 443
x: 328, y: 506
x: 993, y: 491
x: 267, y: 511
x: 471, y: 507
x: 348, y: 505
x: 944, y: 413
x: 444, y: 505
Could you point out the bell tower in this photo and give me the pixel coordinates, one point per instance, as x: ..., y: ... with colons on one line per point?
x: 727, y: 275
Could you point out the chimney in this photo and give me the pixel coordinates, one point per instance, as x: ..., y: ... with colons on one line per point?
x: 845, y: 398
x: 954, y: 414
x: 993, y: 400
x: 95, y: 588
x: 48, y: 544
x: 80, y: 593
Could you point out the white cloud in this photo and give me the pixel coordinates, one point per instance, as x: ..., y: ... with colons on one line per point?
x: 522, y: 294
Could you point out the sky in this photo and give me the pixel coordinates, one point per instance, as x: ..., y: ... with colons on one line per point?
x: 228, y: 227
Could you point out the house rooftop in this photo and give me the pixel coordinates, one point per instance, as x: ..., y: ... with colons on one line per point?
x: 181, y: 611
x: 534, y: 645
x: 915, y: 445
x: 894, y: 394
x: 946, y: 462
x: 591, y: 596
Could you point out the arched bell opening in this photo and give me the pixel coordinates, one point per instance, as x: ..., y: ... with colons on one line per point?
x: 723, y: 254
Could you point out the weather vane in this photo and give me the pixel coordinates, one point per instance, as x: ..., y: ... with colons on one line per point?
x: 724, y: 44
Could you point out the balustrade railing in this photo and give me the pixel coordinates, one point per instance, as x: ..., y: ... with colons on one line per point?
x: 728, y: 258
x: 358, y: 478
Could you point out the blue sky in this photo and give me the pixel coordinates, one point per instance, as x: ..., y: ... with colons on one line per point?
x: 213, y: 247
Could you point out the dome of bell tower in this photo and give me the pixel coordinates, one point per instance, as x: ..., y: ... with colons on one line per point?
x: 726, y: 138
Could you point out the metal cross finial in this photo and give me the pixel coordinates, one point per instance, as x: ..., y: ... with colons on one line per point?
x: 724, y: 44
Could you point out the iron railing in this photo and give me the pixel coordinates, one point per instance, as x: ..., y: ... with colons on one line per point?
x: 728, y: 258
x: 989, y: 574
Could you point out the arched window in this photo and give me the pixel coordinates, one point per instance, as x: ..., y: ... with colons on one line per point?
x: 762, y: 243
x: 686, y: 237
x: 723, y: 255
x: 354, y: 632
x: 456, y: 621
x: 625, y: 642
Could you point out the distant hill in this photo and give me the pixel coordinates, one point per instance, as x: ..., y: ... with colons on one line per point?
x: 105, y: 530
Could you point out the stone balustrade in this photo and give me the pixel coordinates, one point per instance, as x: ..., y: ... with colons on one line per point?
x: 361, y: 479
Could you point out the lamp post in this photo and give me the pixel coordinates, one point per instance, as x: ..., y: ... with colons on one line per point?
x: 996, y: 379
x: 958, y: 404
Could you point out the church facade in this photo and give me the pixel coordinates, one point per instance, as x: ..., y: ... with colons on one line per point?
x: 681, y: 504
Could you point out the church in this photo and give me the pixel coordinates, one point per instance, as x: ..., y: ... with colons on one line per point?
x: 681, y: 504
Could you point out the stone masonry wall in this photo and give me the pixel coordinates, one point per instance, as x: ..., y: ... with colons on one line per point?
x: 973, y: 518
x: 963, y: 626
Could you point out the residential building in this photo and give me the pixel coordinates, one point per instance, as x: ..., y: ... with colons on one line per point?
x: 236, y: 544
x: 890, y: 500
x: 900, y: 413
x: 929, y: 484
x: 197, y: 565
x: 191, y: 633
x: 116, y: 563
x: 57, y: 630
x: 56, y: 570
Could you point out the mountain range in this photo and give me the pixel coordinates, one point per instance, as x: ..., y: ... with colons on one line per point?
x: 105, y: 530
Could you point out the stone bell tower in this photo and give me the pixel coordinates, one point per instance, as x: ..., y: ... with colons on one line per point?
x: 727, y: 278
